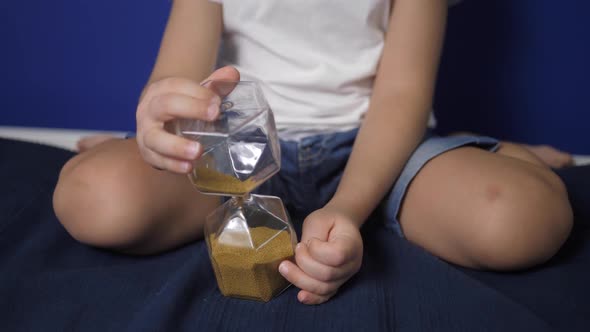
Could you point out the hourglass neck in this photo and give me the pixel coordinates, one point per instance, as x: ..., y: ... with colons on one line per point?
x: 241, y: 199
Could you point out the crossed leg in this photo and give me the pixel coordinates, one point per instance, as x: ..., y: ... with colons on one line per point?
x: 109, y: 197
x: 501, y: 211
x: 504, y: 210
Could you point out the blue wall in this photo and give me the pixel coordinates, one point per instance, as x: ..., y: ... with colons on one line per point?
x: 77, y: 64
x: 512, y: 68
x: 518, y: 69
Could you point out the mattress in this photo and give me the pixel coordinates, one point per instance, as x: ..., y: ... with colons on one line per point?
x: 50, y: 282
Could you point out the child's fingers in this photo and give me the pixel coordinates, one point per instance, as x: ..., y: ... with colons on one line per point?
x: 191, y: 88
x: 181, y: 86
x: 227, y: 73
x: 336, y: 252
x: 164, y: 163
x: 306, y: 297
x: 221, y: 88
x: 222, y: 81
x: 297, y: 277
x: 316, y: 225
x: 166, y: 107
x: 315, y: 269
x: 172, y: 146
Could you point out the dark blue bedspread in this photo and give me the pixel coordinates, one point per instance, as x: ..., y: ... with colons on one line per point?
x: 49, y: 282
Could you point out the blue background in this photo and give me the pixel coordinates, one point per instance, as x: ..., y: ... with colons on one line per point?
x: 516, y: 69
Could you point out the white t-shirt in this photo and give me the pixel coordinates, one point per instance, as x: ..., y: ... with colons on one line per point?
x: 316, y: 60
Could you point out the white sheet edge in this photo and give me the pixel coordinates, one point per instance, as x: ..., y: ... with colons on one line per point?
x: 67, y: 138
x: 62, y: 138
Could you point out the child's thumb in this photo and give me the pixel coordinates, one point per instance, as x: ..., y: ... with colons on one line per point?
x: 316, y: 227
x: 227, y: 73
x: 222, y: 81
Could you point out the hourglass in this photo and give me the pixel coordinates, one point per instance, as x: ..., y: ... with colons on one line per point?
x: 249, y: 235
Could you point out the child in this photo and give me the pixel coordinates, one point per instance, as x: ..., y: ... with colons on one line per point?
x: 351, y: 85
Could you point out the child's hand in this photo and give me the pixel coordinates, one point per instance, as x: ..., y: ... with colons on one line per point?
x: 166, y: 100
x: 330, y: 252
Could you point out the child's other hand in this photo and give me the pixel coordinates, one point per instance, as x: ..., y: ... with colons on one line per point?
x: 166, y: 100
x: 330, y: 252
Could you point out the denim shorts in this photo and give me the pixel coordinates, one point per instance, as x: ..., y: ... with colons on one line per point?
x: 312, y: 168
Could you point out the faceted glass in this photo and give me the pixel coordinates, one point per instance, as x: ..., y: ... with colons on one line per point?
x: 241, y: 148
x: 247, y: 238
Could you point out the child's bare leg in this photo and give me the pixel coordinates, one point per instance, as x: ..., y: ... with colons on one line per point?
x: 518, y: 151
x: 551, y: 156
x: 540, y: 154
x: 109, y: 197
x: 487, y: 210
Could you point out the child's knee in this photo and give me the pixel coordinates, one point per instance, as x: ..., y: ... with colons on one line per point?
x: 89, y: 201
x: 525, y: 224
